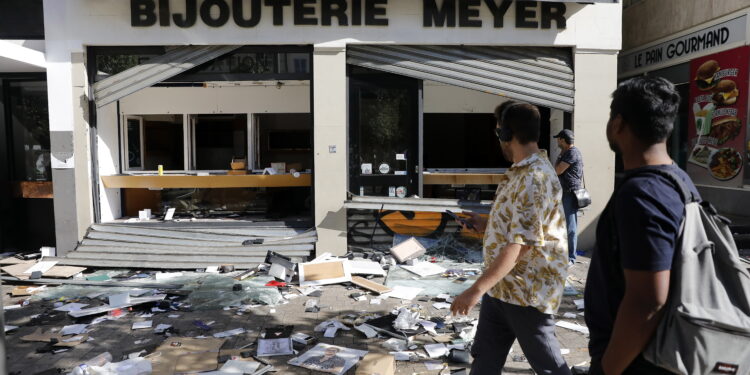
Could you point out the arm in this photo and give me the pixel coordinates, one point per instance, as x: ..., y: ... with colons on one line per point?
x: 561, y: 167
x: 498, y: 269
x: 637, y: 318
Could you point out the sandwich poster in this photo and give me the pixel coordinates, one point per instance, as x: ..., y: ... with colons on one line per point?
x: 717, y: 128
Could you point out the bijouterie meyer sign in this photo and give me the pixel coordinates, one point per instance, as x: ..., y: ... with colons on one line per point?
x: 436, y: 13
x: 687, y: 46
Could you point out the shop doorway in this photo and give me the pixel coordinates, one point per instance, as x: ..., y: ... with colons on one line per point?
x: 384, y: 118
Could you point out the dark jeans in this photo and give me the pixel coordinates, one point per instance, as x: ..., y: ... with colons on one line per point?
x: 570, y: 207
x: 500, y: 324
x: 639, y: 366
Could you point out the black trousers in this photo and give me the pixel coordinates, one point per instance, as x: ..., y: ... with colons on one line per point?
x: 500, y: 324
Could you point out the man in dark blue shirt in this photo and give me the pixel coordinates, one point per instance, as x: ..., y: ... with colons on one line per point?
x: 628, y: 280
x: 569, y: 168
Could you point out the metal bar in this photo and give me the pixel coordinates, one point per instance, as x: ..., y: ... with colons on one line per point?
x: 172, y: 264
x: 126, y: 284
x: 156, y: 247
x: 228, y: 251
x: 151, y: 257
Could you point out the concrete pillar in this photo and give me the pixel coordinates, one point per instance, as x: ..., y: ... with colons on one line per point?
x: 330, y: 148
x: 69, y: 141
x: 595, y: 80
x: 556, y: 124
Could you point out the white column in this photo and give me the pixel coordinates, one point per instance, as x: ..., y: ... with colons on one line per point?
x: 595, y: 80
x: 69, y: 130
x: 556, y: 124
x: 330, y: 148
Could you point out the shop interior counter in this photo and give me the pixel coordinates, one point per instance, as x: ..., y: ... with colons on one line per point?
x: 444, y: 178
x: 184, y: 181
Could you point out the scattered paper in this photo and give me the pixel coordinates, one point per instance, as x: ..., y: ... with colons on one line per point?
x: 143, y: 325
x: 568, y: 315
x: 73, y: 329
x: 365, y: 267
x: 162, y: 327
x: 233, y: 332
x: 564, y: 351
x: 403, y: 292
x: 424, y: 269
x: 329, y: 358
x: 441, y: 305
x: 579, y: 303
x: 239, y: 367
x: 367, y: 330
x: 71, y: 307
x: 10, y: 328
x: 375, y: 301
x: 434, y: 365
x: 212, y: 269
x: 572, y: 326
x: 403, y: 356
x: 436, y: 350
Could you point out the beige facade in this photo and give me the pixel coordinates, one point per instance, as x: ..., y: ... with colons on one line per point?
x: 650, y: 20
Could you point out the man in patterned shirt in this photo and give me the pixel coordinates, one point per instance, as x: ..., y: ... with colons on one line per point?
x: 525, y: 254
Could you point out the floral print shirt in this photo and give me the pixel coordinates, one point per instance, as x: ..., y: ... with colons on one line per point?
x: 528, y: 211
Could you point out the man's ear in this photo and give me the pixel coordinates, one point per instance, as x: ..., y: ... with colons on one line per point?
x: 618, y: 124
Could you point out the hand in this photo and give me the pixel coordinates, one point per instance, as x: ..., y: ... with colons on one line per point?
x: 466, y: 301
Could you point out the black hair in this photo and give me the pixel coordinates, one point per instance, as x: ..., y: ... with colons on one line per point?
x: 648, y: 105
x: 502, y: 107
x: 523, y: 120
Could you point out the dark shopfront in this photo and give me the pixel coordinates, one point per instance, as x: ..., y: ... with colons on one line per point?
x: 26, y: 209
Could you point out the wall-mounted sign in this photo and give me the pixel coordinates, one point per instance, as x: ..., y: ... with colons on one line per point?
x: 694, y: 44
x: 717, y: 121
x: 436, y: 13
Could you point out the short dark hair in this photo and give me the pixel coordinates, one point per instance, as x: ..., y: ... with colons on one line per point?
x: 649, y: 105
x: 500, y: 108
x: 523, y: 120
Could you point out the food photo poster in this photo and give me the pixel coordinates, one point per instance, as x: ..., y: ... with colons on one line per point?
x: 717, y: 126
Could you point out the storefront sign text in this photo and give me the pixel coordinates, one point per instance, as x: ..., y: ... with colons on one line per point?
x: 436, y: 13
x: 689, y: 45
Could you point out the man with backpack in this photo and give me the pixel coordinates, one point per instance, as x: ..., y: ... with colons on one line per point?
x: 639, y: 231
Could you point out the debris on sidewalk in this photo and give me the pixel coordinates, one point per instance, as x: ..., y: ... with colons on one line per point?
x: 330, y: 359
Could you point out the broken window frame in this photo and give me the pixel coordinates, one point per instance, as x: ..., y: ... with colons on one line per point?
x: 125, y: 148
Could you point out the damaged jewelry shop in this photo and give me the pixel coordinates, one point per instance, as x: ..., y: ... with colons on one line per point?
x: 339, y: 123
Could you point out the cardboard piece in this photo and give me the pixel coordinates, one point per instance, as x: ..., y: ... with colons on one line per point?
x: 324, y: 273
x: 424, y: 269
x: 14, y: 260
x: 377, y: 364
x: 63, y: 272
x: 185, y: 354
x: 408, y: 249
x: 17, y: 270
x: 370, y: 285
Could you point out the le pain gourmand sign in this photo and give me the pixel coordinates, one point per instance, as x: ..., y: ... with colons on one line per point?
x: 717, y: 126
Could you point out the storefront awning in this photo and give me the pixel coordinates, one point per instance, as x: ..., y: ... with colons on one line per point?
x: 541, y: 76
x: 155, y: 70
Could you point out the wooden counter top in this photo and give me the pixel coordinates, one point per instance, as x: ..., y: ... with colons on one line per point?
x: 32, y: 189
x: 204, y: 182
x: 461, y: 178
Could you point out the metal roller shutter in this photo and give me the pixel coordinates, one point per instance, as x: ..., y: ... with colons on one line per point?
x: 541, y: 76
x: 155, y: 70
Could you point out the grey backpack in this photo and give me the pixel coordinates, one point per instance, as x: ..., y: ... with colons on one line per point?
x: 706, y: 325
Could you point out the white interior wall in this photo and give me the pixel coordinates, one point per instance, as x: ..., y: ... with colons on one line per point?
x: 291, y: 97
x: 441, y: 98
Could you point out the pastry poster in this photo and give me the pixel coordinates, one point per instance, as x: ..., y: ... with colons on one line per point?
x: 717, y: 126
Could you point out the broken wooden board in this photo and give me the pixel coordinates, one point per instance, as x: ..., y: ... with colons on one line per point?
x: 370, y: 285
x: 186, y: 355
x: 18, y: 270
